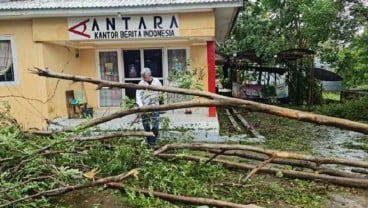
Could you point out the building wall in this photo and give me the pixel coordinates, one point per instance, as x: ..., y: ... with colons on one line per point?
x: 27, y: 97
x: 45, y: 43
x: 60, y: 59
x: 198, y: 54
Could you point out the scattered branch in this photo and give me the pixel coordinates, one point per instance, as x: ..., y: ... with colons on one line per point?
x: 270, y: 153
x: 214, y: 156
x: 113, y: 136
x: 186, y: 199
x: 257, y: 168
x: 291, y: 162
x: 349, y: 182
x: 65, y: 189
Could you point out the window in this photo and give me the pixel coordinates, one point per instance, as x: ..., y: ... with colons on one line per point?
x: 134, y: 60
x: 177, y: 63
x: 7, y: 61
x: 108, y: 61
x: 177, y: 59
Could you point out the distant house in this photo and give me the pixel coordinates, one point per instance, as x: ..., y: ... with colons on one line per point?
x: 107, y: 39
x: 329, y: 80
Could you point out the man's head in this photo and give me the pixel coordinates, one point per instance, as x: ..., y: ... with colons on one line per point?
x: 146, y: 74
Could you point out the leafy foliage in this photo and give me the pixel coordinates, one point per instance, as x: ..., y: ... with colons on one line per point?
x: 336, y: 30
x: 352, y: 62
x: 355, y: 109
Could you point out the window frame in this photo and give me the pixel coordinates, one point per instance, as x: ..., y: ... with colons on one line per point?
x: 11, y: 38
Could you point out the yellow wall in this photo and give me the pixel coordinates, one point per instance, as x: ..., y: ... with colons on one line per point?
x: 59, y: 59
x: 26, y: 99
x: 198, y: 56
x: 190, y: 25
x: 57, y: 26
x: 88, y: 68
x: 197, y: 24
x: 70, y: 61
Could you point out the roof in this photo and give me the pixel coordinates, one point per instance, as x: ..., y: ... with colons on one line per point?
x: 70, y: 4
x: 226, y: 11
x: 294, y: 54
x: 325, y: 75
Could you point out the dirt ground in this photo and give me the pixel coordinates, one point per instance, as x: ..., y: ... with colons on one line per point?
x: 90, y: 198
x: 356, y: 198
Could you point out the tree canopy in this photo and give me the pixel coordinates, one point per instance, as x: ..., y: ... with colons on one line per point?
x: 332, y: 28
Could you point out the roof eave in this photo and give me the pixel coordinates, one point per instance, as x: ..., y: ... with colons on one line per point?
x: 73, y: 12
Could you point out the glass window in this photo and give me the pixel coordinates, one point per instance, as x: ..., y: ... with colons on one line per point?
x: 153, y: 60
x: 177, y: 63
x: 109, y: 71
x: 176, y: 59
x: 132, y: 63
x: 7, y: 61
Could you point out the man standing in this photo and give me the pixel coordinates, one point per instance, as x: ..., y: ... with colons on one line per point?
x: 148, y: 97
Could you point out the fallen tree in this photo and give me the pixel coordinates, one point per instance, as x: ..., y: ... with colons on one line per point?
x: 269, y: 157
x: 277, y: 154
x: 326, y: 175
x: 343, y: 181
x: 212, y: 99
x: 186, y: 199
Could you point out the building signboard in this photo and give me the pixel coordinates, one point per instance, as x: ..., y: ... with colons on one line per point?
x: 124, y: 27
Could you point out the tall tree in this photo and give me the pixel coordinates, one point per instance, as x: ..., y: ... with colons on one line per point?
x: 270, y: 26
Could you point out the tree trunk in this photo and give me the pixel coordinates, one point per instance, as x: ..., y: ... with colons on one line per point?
x: 221, y: 101
x: 349, y: 182
x: 187, y: 199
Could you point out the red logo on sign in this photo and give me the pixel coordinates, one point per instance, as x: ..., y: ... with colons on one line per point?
x: 80, y: 29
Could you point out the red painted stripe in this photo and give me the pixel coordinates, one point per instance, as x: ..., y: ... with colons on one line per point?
x: 211, y: 74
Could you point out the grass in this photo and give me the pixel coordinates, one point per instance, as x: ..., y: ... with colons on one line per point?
x: 331, y: 95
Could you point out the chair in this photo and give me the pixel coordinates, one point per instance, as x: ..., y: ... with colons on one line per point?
x: 76, y: 102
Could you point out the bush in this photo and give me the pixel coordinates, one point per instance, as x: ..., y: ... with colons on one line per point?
x: 352, y: 109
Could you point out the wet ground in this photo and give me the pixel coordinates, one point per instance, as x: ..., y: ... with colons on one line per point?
x: 336, y: 143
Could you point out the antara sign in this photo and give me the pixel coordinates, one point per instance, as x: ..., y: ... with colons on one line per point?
x: 107, y: 28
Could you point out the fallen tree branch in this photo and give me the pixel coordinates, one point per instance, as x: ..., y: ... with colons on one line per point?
x: 250, y: 128
x: 214, y: 156
x: 112, y: 136
x: 362, y: 171
x: 221, y: 101
x: 280, y: 154
x: 65, y: 189
x: 257, y: 168
x: 291, y: 162
x: 186, y: 199
x: 348, y: 182
x: 232, y: 121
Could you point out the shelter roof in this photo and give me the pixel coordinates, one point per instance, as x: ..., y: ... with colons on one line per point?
x: 251, y: 56
x: 326, y: 75
x: 294, y: 54
x: 269, y: 69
